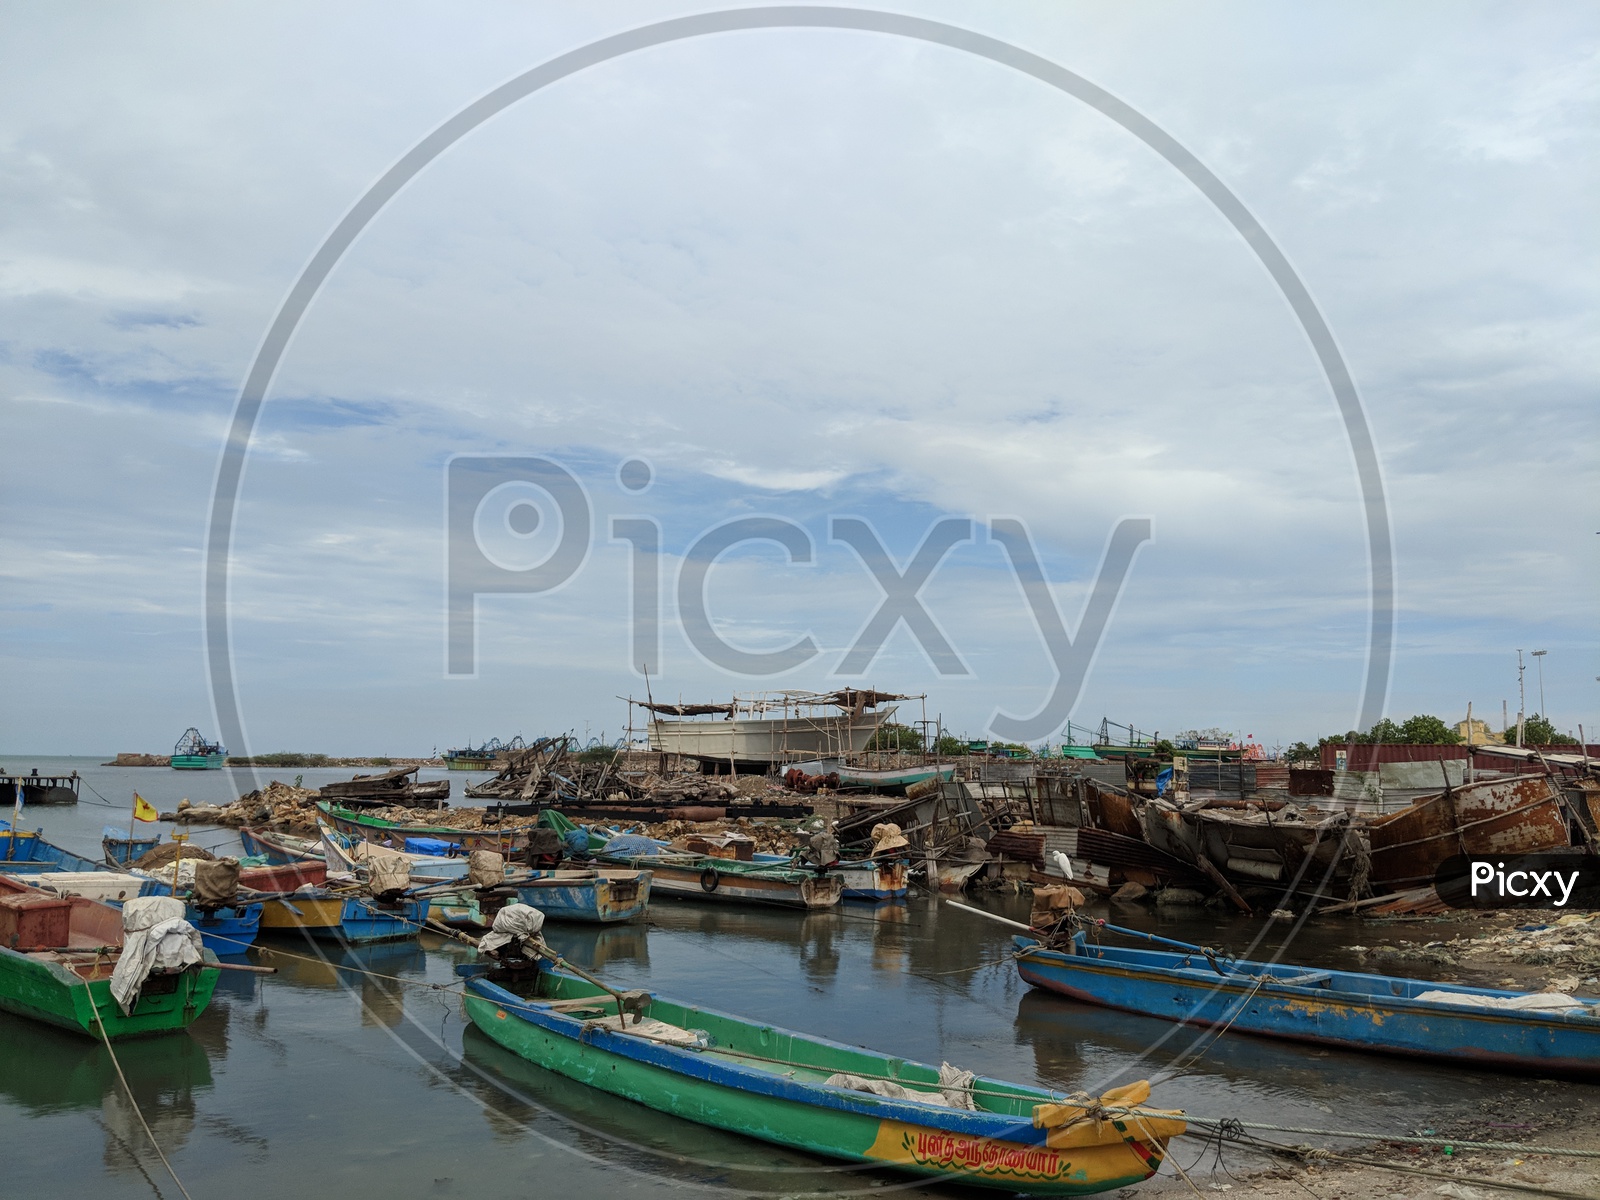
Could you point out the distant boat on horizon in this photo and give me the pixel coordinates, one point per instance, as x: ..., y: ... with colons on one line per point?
x: 194, y: 753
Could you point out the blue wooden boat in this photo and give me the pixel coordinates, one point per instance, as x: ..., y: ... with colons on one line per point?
x: 874, y: 878
x: 26, y: 856
x: 279, y: 850
x: 120, y: 850
x: 1379, y: 1013
x: 600, y: 896
x: 330, y: 916
x: 25, y: 850
x: 223, y: 929
x: 231, y: 929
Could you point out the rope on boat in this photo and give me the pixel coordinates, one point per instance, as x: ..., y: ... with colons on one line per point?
x: 95, y: 1008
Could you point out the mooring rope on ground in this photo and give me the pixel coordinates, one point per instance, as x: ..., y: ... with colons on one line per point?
x: 1312, y: 1155
x: 95, y: 1008
x: 1231, y: 1123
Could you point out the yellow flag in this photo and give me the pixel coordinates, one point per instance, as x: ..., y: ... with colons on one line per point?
x: 143, y: 810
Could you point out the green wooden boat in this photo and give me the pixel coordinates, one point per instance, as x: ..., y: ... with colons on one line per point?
x: 791, y: 1089
x: 194, y: 753
x: 67, y: 985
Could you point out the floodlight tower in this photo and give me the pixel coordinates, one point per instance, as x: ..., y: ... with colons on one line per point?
x: 1522, y: 696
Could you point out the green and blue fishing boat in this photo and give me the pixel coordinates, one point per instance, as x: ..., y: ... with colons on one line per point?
x: 56, y: 959
x: 195, y: 753
x: 818, y: 1096
x: 352, y: 824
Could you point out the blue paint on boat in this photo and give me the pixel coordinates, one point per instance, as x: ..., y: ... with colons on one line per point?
x: 604, y: 896
x: 365, y: 920
x: 226, y: 930
x: 25, y: 854
x: 1338, y: 1008
x: 122, y: 850
x: 275, y: 857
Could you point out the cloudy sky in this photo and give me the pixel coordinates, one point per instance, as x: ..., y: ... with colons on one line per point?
x: 802, y: 274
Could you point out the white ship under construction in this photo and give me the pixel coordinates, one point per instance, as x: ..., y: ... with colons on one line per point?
x: 762, y: 729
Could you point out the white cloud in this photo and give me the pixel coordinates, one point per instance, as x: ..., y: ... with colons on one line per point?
x: 812, y: 273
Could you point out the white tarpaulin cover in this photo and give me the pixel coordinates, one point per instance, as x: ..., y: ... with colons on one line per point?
x: 486, y: 868
x: 513, y: 923
x: 955, y: 1088
x: 178, y: 874
x: 387, y: 870
x: 155, y: 937
x: 1535, y: 1002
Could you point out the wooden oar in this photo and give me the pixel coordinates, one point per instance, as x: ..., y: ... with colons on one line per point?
x: 622, y: 1018
x: 251, y: 968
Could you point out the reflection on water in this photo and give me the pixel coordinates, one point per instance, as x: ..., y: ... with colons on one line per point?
x: 45, y: 1070
x: 306, y: 963
x: 595, y: 946
x: 519, y: 1096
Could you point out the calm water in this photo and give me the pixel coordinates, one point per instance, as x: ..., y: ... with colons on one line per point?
x: 321, y: 1081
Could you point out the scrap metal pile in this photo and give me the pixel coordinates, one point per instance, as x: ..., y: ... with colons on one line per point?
x: 548, y: 774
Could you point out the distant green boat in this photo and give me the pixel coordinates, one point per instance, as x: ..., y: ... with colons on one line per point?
x: 67, y: 985
x: 481, y: 758
x: 194, y: 753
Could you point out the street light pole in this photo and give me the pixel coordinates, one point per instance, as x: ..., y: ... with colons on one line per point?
x: 1522, y: 697
x: 1539, y: 654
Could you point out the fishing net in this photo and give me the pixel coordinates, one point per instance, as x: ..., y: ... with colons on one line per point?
x: 167, y: 851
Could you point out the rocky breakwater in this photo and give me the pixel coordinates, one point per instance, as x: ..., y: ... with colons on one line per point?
x: 127, y: 758
x: 281, y: 805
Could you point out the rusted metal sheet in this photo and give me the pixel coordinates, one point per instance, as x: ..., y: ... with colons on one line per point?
x: 1022, y: 845
x: 1501, y: 816
x: 1310, y: 781
x: 1368, y: 758
x: 1113, y: 850
x: 1114, y: 811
